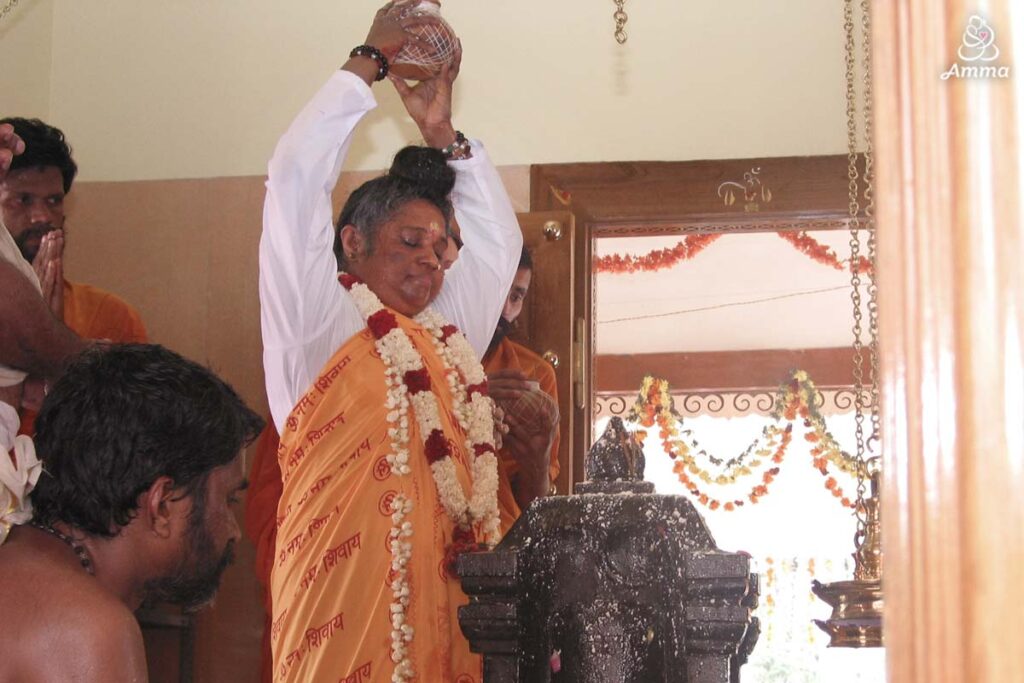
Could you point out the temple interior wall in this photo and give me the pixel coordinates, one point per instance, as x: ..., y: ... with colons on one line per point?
x: 173, y: 110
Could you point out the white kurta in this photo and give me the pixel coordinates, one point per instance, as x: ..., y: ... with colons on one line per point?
x: 9, y: 377
x: 9, y: 252
x: 305, y: 314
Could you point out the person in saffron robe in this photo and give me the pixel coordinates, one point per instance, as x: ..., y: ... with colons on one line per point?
x: 528, y: 458
x: 32, y: 207
x: 264, y: 492
x: 261, y: 502
x: 387, y: 458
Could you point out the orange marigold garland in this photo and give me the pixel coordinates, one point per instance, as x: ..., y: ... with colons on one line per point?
x: 799, y: 398
x: 679, y: 445
x: 795, y: 398
x: 658, y: 259
x: 691, y: 245
x: 821, y: 253
x: 755, y: 494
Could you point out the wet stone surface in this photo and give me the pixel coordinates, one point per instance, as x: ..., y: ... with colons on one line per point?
x: 617, y: 584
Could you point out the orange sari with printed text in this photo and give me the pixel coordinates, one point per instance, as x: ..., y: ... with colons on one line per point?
x: 331, y: 577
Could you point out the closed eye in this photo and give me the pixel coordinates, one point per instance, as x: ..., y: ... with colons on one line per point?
x: 234, y: 497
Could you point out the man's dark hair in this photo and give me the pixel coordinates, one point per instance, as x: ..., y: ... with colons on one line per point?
x: 526, y: 260
x: 416, y: 173
x: 123, y: 416
x: 44, y: 146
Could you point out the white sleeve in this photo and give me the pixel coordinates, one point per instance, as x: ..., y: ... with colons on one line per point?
x: 304, y: 313
x: 476, y: 286
x: 9, y: 425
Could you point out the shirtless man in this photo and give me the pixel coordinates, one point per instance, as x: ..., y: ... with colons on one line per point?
x: 142, y: 455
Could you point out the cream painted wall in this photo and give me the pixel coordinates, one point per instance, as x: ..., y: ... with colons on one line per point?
x: 193, y: 88
x: 26, y: 41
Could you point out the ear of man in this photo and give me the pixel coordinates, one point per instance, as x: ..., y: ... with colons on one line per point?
x: 163, y: 508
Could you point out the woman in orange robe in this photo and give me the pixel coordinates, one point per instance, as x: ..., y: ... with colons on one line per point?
x: 385, y: 464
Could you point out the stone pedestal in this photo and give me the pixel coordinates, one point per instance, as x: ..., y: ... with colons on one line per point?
x: 616, y: 584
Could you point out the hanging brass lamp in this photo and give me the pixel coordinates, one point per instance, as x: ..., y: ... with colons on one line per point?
x: 856, y: 619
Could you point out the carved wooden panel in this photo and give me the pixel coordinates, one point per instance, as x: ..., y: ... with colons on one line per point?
x: 652, y: 197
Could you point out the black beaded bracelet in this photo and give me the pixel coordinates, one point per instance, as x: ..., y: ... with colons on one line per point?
x: 458, y: 149
x: 374, y: 54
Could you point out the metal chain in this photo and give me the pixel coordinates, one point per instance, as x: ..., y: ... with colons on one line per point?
x: 873, y: 444
x: 620, y: 22
x: 11, y: 4
x: 855, y: 281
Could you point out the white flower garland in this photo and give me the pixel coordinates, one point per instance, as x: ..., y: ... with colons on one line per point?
x: 16, y: 483
x: 474, y: 412
x: 401, y: 553
x: 475, y: 416
x: 409, y: 384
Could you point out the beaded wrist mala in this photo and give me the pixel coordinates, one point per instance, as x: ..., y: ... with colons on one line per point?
x: 374, y: 54
x: 460, y: 149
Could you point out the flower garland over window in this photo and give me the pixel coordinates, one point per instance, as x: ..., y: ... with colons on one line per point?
x: 821, y: 253
x: 662, y: 259
x: 658, y: 259
x: 797, y: 397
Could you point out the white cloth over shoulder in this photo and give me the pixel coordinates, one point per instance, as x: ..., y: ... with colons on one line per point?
x: 305, y: 314
x: 16, y: 481
x: 9, y: 252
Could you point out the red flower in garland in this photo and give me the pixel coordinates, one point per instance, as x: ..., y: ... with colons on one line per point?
x: 481, y: 448
x: 381, y: 322
x: 417, y: 380
x: 347, y: 281
x: 463, y: 536
x: 463, y: 541
x: 436, y: 447
x: 447, y: 331
x: 476, y: 389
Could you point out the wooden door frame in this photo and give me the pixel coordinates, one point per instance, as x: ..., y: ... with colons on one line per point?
x: 612, y: 199
x: 545, y: 303
x: 950, y: 246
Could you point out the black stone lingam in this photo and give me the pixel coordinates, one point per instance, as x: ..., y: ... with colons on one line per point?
x: 614, y: 585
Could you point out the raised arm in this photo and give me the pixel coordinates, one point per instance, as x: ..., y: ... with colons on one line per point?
x: 31, y: 339
x: 303, y: 313
x: 476, y: 285
x: 300, y: 304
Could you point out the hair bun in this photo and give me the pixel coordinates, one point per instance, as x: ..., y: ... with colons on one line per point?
x: 425, y: 167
